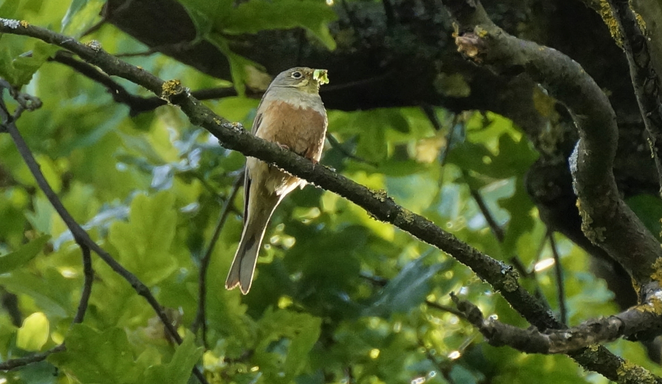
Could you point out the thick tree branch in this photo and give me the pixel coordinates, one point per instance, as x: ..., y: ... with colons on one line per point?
x: 377, y: 203
x: 607, y: 220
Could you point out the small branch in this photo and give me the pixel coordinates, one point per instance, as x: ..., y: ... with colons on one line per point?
x: 558, y: 270
x: 201, y: 317
x: 389, y: 12
x: 136, y: 104
x: 337, y: 145
x: 88, y: 274
x: 10, y: 305
x: 555, y: 341
x: 445, y: 308
x: 497, y: 230
x: 494, y: 226
x: 35, y: 358
x: 430, y: 113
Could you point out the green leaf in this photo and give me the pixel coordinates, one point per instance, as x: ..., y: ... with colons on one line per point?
x: 21, y: 256
x: 259, y: 15
x: 144, y: 242
x: 34, y: 332
x: 407, y: 290
x: 8, y: 8
x: 18, y: 70
x: 649, y: 211
x: 49, y: 290
x: 238, y: 63
x: 286, y: 339
x: 97, y: 357
x: 80, y: 16
x: 178, y: 370
x: 201, y: 13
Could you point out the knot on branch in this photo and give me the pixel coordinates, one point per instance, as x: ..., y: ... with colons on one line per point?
x: 173, y: 91
x: 471, y: 45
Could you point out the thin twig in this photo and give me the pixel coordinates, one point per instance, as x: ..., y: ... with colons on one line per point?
x: 337, y: 145
x: 430, y: 113
x: 136, y: 104
x: 37, y: 357
x: 495, y: 227
x: 449, y: 139
x: 444, y: 308
x: 201, y: 317
x: 105, y: 16
x: 88, y: 273
x: 558, y: 270
x: 491, y: 222
x: 10, y: 305
x: 389, y: 12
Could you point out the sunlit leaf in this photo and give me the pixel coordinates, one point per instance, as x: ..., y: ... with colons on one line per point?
x: 34, y: 332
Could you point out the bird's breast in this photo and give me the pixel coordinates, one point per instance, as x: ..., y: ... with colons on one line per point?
x: 299, y: 126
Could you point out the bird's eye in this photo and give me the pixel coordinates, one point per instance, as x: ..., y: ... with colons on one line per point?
x: 296, y: 75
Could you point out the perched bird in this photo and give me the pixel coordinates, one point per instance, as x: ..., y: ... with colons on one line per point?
x: 291, y: 114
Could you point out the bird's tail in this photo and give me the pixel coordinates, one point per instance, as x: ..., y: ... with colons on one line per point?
x: 243, y: 265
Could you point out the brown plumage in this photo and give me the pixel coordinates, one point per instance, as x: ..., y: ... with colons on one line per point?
x: 291, y: 114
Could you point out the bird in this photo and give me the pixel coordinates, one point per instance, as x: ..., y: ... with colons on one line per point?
x: 291, y: 114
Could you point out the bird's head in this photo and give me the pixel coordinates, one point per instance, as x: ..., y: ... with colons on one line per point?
x: 302, y: 78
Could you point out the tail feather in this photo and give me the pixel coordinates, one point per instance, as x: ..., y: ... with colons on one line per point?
x: 243, y: 265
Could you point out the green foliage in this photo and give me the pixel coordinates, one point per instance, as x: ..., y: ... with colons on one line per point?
x: 22, y: 255
x: 338, y: 296
x: 407, y: 290
x: 217, y: 21
x: 143, y: 243
x: 108, y: 357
